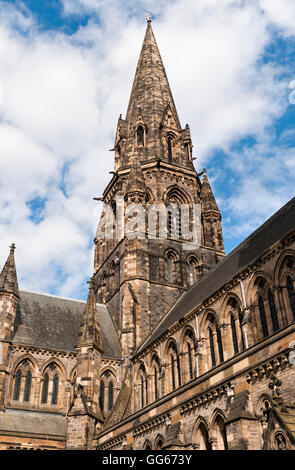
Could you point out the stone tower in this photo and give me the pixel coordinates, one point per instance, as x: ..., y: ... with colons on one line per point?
x: 139, y: 272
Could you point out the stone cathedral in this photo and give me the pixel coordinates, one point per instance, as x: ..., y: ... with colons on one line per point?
x: 178, y: 346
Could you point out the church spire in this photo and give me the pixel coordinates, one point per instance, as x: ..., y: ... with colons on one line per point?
x: 151, y: 93
x: 8, y: 276
x: 151, y: 114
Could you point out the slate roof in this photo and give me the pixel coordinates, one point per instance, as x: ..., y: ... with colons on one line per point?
x: 274, y: 229
x: 51, y: 322
x: 20, y: 421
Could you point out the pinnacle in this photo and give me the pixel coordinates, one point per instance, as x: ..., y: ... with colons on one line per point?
x: 90, y: 331
x: 208, y: 199
x: 8, y: 276
x: 136, y: 180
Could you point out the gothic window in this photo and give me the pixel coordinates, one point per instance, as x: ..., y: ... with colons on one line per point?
x: 171, y: 267
x: 28, y: 383
x: 174, y: 221
x: 107, y: 391
x: 50, y: 385
x: 188, y: 354
x: 54, y: 397
x: 159, y: 443
x: 140, y: 135
x: 234, y: 334
x: 101, y: 395
x: 212, y: 348
x: 273, y: 311
x: 280, y: 442
x: 291, y: 295
x: 193, y: 271
x: 111, y: 396
x: 17, y: 385
x: 262, y: 316
x: 45, y: 389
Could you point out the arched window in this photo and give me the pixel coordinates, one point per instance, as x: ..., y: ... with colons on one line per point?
x: 174, y: 221
x: 54, y: 397
x: 212, y: 349
x: 17, y: 385
x: 45, y: 389
x: 159, y: 443
x: 170, y: 147
x: 28, y: 383
x: 193, y: 271
x: 291, y: 295
x: 234, y: 334
x: 262, y: 317
x: 171, y: 267
x: 140, y: 135
x: 111, y: 396
x: 101, y: 394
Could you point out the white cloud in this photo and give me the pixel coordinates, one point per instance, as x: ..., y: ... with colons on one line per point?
x: 62, y: 95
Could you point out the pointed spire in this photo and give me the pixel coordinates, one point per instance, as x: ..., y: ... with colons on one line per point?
x: 151, y: 93
x: 136, y: 181
x: 207, y: 196
x: 8, y: 276
x: 89, y: 334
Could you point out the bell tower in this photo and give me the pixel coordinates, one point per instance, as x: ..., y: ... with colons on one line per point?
x: 143, y: 267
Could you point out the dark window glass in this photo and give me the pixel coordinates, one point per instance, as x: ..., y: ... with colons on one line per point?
x: 156, y: 382
x: 17, y: 385
x: 291, y: 294
x: 190, y: 361
x: 173, y: 371
x: 212, y: 350
x: 219, y: 342
x: 28, y: 384
x: 140, y: 135
x: 234, y: 334
x: 241, y: 328
x: 142, y: 391
x: 55, y: 390
x: 273, y: 311
x: 45, y: 389
x: 101, y: 395
x: 111, y: 395
x: 262, y: 317
x: 170, y: 152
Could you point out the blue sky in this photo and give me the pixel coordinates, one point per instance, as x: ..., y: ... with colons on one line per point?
x: 66, y: 71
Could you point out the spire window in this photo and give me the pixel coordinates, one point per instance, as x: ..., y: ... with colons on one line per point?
x: 140, y: 136
x: 170, y: 147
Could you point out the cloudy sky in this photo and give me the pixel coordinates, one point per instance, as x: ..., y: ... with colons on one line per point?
x: 66, y: 71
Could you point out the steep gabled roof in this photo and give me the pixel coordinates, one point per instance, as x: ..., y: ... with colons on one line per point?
x: 274, y: 229
x: 47, y: 321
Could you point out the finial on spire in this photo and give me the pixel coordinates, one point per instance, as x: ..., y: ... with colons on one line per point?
x: 149, y: 17
x: 12, y: 248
